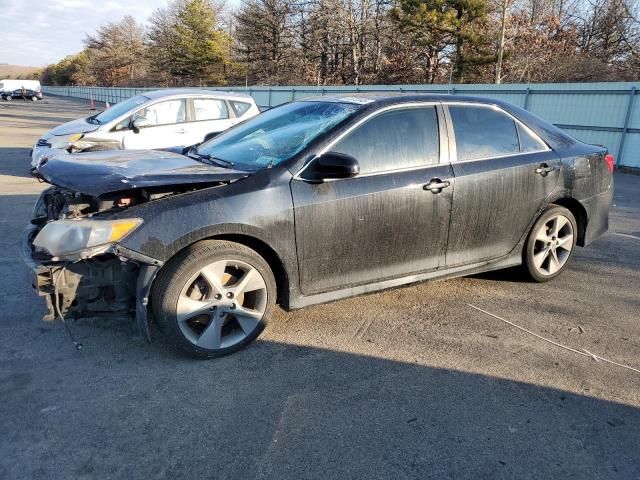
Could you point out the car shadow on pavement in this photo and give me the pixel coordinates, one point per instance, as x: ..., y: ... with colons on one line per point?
x: 126, y: 409
x: 511, y: 275
x: 15, y: 162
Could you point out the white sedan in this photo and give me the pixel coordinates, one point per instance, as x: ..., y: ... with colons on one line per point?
x: 160, y: 119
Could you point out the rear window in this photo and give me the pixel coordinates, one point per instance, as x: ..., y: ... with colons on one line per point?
x: 483, y: 132
x: 240, y: 108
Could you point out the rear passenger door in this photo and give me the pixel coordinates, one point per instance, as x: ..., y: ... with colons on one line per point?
x: 504, y: 172
x: 385, y: 222
x: 208, y: 116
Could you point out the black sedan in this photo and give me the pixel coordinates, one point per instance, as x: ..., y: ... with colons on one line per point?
x: 311, y: 202
x: 20, y: 94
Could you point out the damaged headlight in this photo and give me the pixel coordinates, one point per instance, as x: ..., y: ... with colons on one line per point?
x: 63, y: 237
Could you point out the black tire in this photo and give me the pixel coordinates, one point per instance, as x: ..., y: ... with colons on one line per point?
x: 533, y: 246
x: 176, y: 274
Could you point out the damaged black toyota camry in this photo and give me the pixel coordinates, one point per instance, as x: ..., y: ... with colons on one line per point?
x: 310, y: 202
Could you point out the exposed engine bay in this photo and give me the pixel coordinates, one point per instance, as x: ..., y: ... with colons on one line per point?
x: 98, y: 282
x: 58, y: 203
x: 104, y: 283
x: 72, y: 243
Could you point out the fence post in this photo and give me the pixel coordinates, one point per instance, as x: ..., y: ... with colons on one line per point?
x: 526, y: 99
x: 625, y: 127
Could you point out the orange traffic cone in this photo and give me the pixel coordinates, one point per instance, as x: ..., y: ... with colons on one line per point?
x: 91, y: 105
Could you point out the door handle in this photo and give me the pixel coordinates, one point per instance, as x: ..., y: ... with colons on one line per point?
x: 436, y: 185
x: 180, y: 131
x: 544, y: 169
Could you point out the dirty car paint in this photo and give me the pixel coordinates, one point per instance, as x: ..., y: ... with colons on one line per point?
x: 331, y: 240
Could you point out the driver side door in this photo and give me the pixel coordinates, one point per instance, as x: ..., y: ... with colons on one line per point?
x: 385, y: 222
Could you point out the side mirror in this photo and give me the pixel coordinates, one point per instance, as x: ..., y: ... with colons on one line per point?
x: 139, y: 122
x: 331, y: 166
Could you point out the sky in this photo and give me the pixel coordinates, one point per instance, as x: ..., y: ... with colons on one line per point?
x: 38, y: 32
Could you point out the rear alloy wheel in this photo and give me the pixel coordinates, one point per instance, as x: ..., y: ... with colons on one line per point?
x: 550, y: 244
x: 215, y: 298
x: 34, y: 99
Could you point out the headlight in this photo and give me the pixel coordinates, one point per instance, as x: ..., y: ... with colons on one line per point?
x: 63, y: 141
x: 67, y: 236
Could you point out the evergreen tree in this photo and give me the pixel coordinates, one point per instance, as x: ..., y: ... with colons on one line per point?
x: 201, y: 50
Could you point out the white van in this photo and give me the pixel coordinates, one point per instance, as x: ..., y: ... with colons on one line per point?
x: 9, y: 85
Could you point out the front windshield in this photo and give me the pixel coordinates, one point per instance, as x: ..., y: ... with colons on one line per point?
x: 276, y: 135
x: 120, y: 109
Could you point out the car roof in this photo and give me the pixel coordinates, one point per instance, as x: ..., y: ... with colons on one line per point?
x: 390, y: 98
x: 551, y: 134
x: 194, y: 92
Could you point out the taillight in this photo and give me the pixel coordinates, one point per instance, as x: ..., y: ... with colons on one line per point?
x: 610, y: 161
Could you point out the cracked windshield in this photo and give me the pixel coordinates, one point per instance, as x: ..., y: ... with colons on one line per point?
x: 276, y: 135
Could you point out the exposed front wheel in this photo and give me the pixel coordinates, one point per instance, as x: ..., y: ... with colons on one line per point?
x: 550, y: 244
x: 214, y: 298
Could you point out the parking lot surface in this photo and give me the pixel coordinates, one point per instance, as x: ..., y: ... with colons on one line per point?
x: 408, y: 383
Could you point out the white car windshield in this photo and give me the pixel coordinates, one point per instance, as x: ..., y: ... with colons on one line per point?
x: 119, y: 109
x: 276, y: 135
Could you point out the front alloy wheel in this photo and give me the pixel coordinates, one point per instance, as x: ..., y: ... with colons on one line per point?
x: 222, y: 304
x: 214, y: 298
x: 550, y: 243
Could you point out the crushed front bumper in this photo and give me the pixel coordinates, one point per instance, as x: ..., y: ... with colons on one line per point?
x: 114, y: 283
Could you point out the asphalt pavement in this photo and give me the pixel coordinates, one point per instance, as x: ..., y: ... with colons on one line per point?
x: 408, y: 383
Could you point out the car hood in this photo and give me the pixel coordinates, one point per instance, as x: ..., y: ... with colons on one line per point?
x: 75, y: 126
x: 97, y: 173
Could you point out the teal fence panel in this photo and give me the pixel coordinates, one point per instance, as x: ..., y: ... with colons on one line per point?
x: 601, y: 113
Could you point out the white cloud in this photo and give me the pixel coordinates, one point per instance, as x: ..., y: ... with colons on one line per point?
x: 44, y: 31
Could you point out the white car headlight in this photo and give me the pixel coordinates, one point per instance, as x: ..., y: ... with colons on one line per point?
x: 63, y: 141
x: 63, y: 237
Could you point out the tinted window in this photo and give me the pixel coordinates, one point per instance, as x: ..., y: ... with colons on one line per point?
x: 240, y: 107
x: 528, y: 142
x: 393, y: 140
x: 164, y: 113
x: 483, y: 132
x: 210, y: 109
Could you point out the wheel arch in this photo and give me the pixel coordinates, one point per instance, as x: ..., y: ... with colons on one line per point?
x: 271, y: 257
x: 259, y: 245
x: 580, y: 214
